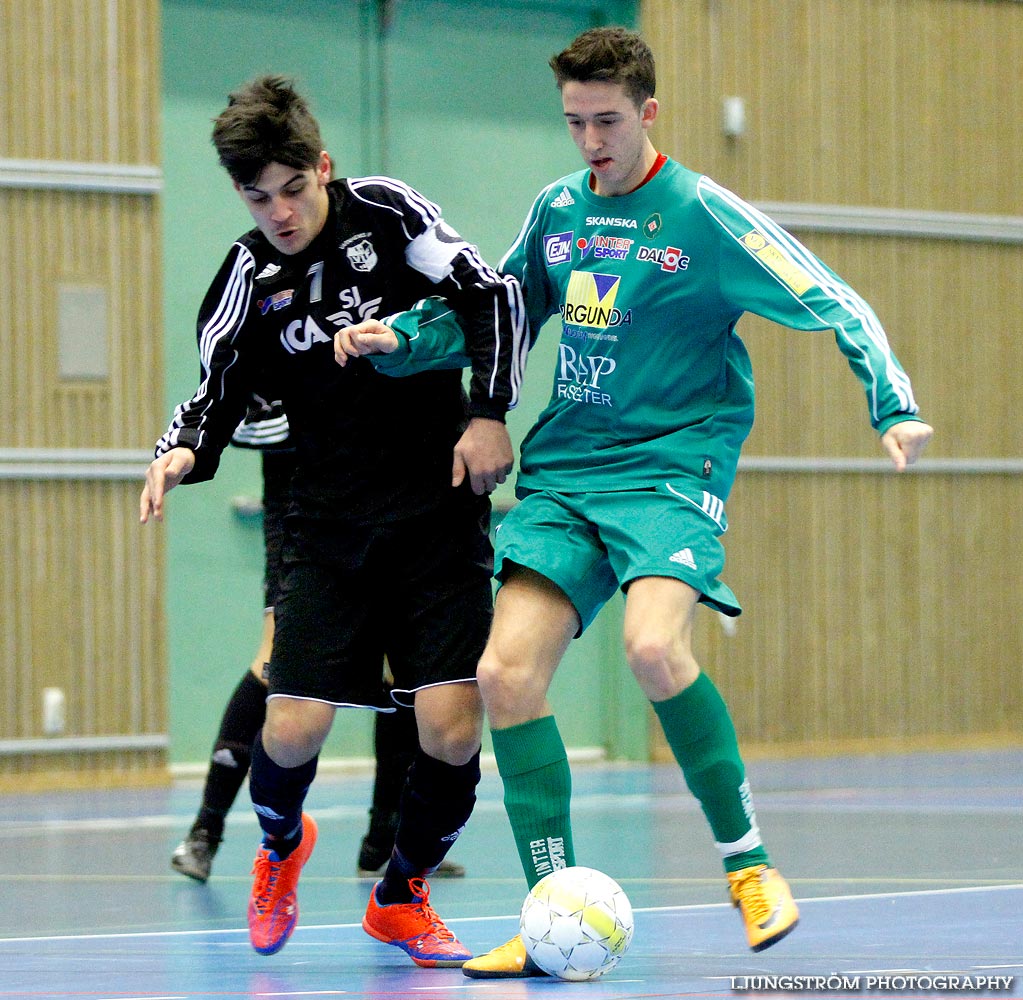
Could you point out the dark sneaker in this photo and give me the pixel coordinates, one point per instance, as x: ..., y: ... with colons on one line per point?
x: 194, y: 855
x: 372, y: 859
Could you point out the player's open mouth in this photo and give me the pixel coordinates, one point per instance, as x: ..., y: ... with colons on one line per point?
x: 602, y: 163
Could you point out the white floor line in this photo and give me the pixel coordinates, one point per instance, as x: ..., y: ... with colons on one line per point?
x: 687, y: 908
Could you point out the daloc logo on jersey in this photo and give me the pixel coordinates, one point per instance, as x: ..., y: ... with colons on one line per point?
x: 557, y: 248
x: 670, y: 259
x: 590, y: 300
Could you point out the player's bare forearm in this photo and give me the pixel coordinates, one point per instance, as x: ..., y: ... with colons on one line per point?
x: 483, y: 453
x: 368, y: 337
x: 905, y: 441
x: 163, y: 474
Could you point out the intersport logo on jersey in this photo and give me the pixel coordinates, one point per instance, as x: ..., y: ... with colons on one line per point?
x: 605, y: 247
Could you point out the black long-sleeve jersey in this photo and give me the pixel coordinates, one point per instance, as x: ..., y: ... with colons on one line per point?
x: 366, y: 444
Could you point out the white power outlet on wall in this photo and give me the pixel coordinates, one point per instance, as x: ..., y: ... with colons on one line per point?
x: 54, y: 711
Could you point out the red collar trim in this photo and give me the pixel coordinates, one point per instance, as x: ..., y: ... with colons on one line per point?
x: 658, y: 163
x: 662, y: 158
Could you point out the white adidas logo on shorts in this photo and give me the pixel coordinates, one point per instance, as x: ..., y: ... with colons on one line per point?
x: 684, y: 557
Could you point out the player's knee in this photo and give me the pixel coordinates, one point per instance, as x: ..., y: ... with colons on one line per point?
x: 454, y: 748
x: 512, y: 690
x: 291, y: 738
x: 661, y: 661
x: 450, y: 720
x: 290, y: 752
x: 456, y: 741
x: 649, y: 650
x: 496, y: 677
x: 488, y: 673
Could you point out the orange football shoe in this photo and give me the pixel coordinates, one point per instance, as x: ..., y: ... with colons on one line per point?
x: 415, y: 928
x: 273, y: 906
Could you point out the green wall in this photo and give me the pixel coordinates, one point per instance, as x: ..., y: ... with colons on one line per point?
x: 454, y: 98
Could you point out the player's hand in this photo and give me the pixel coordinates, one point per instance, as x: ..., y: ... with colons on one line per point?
x: 484, y: 453
x: 905, y: 442
x: 368, y: 337
x: 163, y: 474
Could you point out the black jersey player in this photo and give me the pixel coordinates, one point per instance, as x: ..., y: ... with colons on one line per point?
x: 389, y: 495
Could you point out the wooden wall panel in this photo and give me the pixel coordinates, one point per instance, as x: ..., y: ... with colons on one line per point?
x: 952, y: 311
x: 880, y: 610
x: 904, y: 103
x: 83, y: 620
x: 80, y: 81
x: 90, y: 239
x: 79, y: 103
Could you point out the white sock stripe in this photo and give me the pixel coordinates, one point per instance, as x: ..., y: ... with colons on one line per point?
x: 747, y: 843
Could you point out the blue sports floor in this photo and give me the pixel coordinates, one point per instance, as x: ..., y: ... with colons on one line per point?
x: 904, y: 866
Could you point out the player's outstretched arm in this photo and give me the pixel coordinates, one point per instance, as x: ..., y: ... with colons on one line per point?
x: 484, y: 453
x: 905, y: 442
x: 163, y: 474
x: 368, y: 337
x: 427, y: 337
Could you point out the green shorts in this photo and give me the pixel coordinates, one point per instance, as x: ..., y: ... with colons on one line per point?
x: 592, y: 544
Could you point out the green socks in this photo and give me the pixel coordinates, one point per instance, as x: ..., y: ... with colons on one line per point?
x: 538, y: 784
x: 533, y: 764
x: 700, y: 733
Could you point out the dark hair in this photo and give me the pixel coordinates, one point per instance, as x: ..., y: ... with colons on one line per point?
x: 266, y: 121
x: 611, y: 54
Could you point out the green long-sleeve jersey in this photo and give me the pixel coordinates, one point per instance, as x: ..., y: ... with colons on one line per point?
x: 652, y: 383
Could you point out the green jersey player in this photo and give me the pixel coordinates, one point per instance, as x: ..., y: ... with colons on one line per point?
x: 624, y: 477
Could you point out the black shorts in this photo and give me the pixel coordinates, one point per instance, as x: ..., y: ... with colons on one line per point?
x: 278, y: 467
x: 417, y: 590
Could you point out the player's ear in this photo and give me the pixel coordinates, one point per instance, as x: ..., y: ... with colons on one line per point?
x: 648, y: 112
x: 324, y: 168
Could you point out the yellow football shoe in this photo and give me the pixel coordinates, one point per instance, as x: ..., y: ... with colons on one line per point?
x: 765, y: 901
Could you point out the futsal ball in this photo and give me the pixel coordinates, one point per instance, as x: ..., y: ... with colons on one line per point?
x: 576, y: 923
